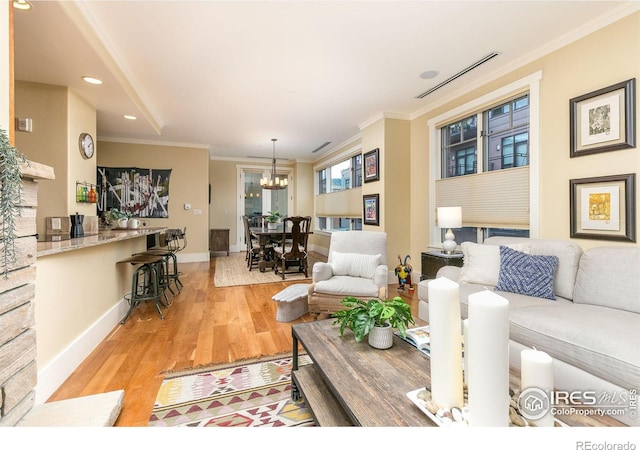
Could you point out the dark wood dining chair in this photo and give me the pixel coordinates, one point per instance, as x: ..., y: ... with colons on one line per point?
x: 292, y: 251
x: 253, y: 247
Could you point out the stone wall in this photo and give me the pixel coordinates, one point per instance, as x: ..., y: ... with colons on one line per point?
x: 18, y: 370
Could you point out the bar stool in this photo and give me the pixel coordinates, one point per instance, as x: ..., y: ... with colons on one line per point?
x: 169, y: 269
x: 145, y: 282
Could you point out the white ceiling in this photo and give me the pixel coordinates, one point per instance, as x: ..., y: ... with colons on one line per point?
x: 231, y: 75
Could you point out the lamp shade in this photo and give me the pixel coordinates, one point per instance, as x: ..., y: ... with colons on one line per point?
x: 449, y: 217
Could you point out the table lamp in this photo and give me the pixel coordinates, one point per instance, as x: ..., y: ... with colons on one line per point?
x: 449, y: 217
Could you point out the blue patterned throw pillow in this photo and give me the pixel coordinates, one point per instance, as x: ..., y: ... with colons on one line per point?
x: 526, y: 274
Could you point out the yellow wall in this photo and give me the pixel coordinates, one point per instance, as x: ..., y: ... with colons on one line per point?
x: 604, y: 58
x: 48, y: 143
x: 189, y: 184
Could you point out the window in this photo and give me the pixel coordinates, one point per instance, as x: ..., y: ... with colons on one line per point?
x: 507, y: 136
x: 505, y: 144
x: 339, y: 224
x: 459, y: 147
x: 493, y: 174
x: 338, y: 205
x: 341, y: 176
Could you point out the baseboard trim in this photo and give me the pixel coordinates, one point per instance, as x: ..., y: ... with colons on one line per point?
x: 51, y: 377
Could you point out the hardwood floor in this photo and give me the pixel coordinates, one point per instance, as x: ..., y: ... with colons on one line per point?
x: 203, y: 325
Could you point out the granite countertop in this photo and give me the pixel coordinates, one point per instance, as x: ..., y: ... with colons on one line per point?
x: 103, y: 237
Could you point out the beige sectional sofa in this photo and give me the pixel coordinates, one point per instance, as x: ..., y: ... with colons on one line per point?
x: 591, y: 328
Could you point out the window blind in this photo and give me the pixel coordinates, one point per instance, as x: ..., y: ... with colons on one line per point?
x: 498, y: 199
x: 347, y: 203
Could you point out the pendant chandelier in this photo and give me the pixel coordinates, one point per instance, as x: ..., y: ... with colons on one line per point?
x: 274, y: 182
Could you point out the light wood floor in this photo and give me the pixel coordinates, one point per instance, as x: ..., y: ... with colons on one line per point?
x: 203, y: 325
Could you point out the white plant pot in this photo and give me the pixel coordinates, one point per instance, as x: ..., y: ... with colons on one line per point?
x: 381, y: 337
x: 122, y: 223
x: 272, y: 225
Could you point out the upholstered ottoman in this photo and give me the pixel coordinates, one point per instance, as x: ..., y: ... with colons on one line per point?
x: 292, y: 302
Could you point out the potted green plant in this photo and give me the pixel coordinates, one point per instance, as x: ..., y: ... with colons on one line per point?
x: 118, y: 216
x: 272, y: 218
x: 376, y: 318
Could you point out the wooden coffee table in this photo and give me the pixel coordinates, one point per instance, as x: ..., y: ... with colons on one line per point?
x: 353, y: 383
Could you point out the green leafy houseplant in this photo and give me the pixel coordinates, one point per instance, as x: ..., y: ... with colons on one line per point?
x: 361, y: 316
x: 273, y: 217
x: 10, y: 199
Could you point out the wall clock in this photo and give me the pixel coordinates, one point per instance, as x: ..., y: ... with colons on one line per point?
x: 85, y: 142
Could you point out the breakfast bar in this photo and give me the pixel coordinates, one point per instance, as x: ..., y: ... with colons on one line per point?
x: 80, y: 284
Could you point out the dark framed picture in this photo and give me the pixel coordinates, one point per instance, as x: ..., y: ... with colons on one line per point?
x: 371, y: 166
x: 603, y: 208
x: 603, y: 120
x: 371, y: 209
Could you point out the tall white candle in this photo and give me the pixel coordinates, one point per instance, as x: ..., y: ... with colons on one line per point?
x: 465, y: 340
x: 488, y: 355
x: 446, y: 343
x: 536, y: 371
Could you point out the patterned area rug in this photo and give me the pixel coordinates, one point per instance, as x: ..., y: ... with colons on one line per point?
x: 232, y: 271
x: 249, y: 394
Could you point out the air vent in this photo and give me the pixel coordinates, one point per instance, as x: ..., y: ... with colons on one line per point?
x: 321, y: 147
x: 459, y: 74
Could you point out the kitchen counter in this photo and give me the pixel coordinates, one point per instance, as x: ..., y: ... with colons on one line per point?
x: 103, y: 237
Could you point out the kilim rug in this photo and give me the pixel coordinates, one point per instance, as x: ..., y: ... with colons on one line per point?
x: 232, y: 270
x: 249, y: 394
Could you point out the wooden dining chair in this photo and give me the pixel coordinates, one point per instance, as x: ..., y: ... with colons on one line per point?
x: 292, y: 251
x: 253, y: 247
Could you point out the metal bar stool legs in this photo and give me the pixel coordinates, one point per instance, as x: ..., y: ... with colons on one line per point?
x: 145, y: 283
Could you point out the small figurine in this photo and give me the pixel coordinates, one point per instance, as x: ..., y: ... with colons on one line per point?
x: 403, y: 272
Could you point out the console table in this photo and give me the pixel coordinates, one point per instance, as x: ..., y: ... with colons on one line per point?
x: 352, y: 383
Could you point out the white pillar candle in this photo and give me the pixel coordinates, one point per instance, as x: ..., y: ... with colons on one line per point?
x: 488, y: 355
x: 536, y: 371
x: 446, y: 343
x: 465, y: 340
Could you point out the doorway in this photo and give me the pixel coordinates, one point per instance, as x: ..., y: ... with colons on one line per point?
x: 255, y: 202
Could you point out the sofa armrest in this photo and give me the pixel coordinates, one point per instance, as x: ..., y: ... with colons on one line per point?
x: 321, y: 271
x: 381, y: 276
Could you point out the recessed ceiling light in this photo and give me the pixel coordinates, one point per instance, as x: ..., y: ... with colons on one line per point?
x: 92, y: 80
x: 429, y: 74
x: 129, y: 117
x: 23, y: 5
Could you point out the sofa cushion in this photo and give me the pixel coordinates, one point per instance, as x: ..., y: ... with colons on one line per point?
x: 526, y: 274
x: 609, y: 276
x: 602, y: 341
x: 568, y: 254
x: 354, y: 264
x: 481, y: 263
x: 345, y: 285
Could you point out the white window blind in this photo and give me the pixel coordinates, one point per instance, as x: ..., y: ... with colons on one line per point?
x: 498, y: 199
x: 347, y: 203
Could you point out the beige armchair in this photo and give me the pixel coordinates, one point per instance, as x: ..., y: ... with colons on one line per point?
x: 356, y: 267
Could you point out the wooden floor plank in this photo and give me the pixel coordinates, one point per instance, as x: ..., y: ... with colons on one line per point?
x: 203, y: 325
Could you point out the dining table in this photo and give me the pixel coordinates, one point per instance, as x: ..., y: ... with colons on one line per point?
x: 266, y: 235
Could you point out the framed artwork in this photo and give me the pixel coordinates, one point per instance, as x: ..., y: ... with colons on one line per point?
x: 371, y: 167
x: 603, y: 208
x: 371, y: 209
x: 603, y: 120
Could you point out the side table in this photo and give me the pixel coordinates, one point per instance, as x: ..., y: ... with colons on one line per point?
x: 432, y: 261
x: 219, y: 240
